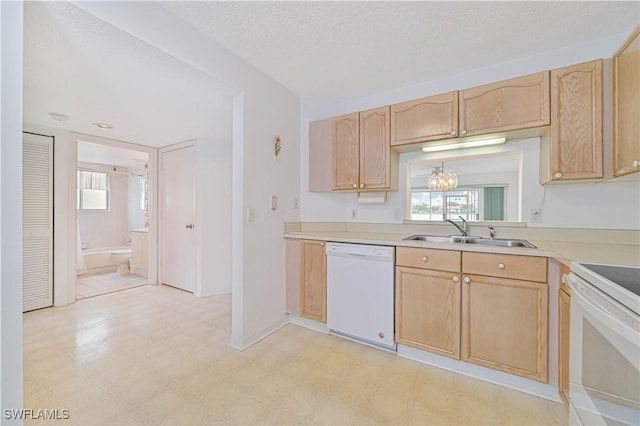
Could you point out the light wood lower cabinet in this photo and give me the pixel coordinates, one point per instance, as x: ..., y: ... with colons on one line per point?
x: 428, y: 310
x: 313, y: 280
x: 504, y: 325
x: 564, y: 318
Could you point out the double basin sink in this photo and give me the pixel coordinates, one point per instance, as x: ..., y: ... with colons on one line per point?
x: 459, y: 239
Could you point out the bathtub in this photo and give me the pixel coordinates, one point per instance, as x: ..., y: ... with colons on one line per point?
x: 97, y: 259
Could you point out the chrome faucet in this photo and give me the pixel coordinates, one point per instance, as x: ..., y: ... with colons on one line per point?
x: 464, y: 229
x: 492, y: 232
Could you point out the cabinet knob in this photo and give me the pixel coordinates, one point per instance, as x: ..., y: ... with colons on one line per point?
x: 355, y: 185
x: 362, y: 185
x: 425, y: 259
x: 463, y: 132
x: 501, y: 265
x: 558, y: 175
x: 635, y: 163
x: 455, y: 278
x: 453, y: 133
x: 321, y: 244
x: 467, y: 280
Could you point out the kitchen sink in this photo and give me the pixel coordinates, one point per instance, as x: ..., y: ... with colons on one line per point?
x: 459, y: 239
x: 499, y: 242
x: 429, y: 238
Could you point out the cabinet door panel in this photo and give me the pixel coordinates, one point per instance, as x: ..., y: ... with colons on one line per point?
x: 346, y: 152
x: 564, y: 314
x: 426, y: 119
x: 518, y: 103
x: 576, y: 122
x: 504, y: 325
x: 375, y: 169
x: 313, y: 277
x: 626, y: 107
x: 428, y: 311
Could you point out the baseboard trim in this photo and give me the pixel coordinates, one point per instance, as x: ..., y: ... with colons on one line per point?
x: 215, y: 293
x: 253, y: 338
x: 542, y: 390
x: 307, y: 323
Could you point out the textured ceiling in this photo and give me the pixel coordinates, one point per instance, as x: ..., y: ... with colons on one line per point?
x: 359, y: 48
x: 80, y: 66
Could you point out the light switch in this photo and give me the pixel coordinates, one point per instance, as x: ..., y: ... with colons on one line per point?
x: 251, y: 214
x: 273, y: 204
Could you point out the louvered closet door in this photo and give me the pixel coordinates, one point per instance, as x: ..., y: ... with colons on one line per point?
x: 37, y: 221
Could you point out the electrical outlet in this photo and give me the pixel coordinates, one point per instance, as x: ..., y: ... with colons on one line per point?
x: 396, y: 214
x: 273, y: 203
x: 296, y: 203
x: 251, y: 214
x: 354, y: 214
x: 535, y: 216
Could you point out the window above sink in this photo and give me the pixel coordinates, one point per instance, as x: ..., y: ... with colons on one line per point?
x: 488, y: 189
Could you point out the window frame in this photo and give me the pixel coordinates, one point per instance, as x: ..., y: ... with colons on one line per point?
x: 79, y: 205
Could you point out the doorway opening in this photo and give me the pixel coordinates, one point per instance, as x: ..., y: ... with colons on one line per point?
x: 112, y: 218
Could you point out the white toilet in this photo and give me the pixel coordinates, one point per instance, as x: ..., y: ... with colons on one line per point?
x: 121, y: 258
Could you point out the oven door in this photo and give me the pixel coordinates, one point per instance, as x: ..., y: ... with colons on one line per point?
x: 604, y: 372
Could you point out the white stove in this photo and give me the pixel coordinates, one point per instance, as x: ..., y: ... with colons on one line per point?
x: 604, y: 371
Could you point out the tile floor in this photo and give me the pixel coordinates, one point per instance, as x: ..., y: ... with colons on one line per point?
x: 95, y: 285
x: 157, y: 355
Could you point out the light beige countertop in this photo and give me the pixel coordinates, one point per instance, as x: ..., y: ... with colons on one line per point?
x: 565, y: 252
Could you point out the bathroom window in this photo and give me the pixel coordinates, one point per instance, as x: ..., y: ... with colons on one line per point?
x: 93, y: 191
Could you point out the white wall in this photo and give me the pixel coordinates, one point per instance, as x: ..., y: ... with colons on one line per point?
x: 213, y: 217
x: 135, y: 214
x: 11, y: 27
x: 263, y: 109
x: 107, y: 229
x: 602, y: 205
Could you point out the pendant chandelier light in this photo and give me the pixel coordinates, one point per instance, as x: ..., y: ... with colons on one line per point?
x: 441, y: 181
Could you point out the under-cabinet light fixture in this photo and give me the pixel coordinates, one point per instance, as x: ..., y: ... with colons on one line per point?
x: 468, y: 144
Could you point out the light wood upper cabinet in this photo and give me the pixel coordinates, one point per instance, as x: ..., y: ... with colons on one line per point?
x: 518, y: 103
x: 375, y: 170
x: 320, y: 156
x: 504, y: 325
x: 575, y: 146
x: 346, y: 151
x: 362, y: 157
x: 426, y: 119
x: 428, y: 310
x: 313, y: 280
x: 626, y: 107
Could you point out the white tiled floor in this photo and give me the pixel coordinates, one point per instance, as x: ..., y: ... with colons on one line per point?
x: 157, y: 355
x: 94, y: 285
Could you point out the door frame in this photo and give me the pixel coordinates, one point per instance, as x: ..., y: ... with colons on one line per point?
x: 161, y: 152
x: 74, y: 137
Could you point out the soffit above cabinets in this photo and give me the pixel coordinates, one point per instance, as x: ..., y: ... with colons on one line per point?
x: 350, y: 49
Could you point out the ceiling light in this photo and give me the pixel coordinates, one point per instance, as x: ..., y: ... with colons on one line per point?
x: 441, y: 181
x: 103, y: 125
x: 467, y: 144
x: 58, y: 117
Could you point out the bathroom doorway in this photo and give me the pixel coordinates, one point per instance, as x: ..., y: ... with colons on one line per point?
x: 113, y: 221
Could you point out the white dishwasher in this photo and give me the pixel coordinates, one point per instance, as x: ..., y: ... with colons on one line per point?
x: 360, y: 293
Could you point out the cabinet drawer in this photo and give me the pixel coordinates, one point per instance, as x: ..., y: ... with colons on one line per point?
x: 442, y: 260
x: 528, y: 268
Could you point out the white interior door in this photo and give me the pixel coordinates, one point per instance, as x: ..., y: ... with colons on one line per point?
x: 178, y: 249
x: 37, y: 221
